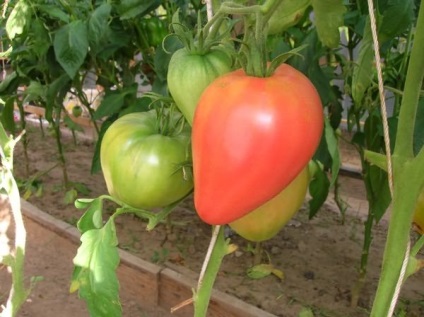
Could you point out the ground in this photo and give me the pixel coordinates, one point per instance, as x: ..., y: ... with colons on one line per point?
x: 319, y: 257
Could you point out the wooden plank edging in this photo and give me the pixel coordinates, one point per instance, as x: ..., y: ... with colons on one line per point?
x: 166, y: 287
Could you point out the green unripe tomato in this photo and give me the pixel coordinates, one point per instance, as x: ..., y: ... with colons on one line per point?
x: 190, y: 73
x: 143, y: 167
x: 77, y: 111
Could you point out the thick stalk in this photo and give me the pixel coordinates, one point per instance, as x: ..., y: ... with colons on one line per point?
x: 408, y: 179
x: 219, y: 248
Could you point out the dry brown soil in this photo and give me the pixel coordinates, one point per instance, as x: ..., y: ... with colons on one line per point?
x: 319, y: 257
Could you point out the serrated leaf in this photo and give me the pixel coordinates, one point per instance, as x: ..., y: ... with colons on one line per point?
x: 71, y: 46
x: 18, y: 19
x: 92, y: 218
x: 328, y: 19
x: 95, y: 274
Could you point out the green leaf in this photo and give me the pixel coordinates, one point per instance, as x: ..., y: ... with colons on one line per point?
x: 263, y: 270
x: 35, y: 91
x: 71, y: 46
x: 98, y: 24
x: 131, y: 8
x: 306, y: 312
x: 82, y: 203
x: 9, y: 84
x: 7, y: 115
x: 70, y: 196
x: 318, y: 189
x: 328, y: 19
x: 396, y: 19
x: 55, y: 12
x: 92, y: 218
x: 94, y: 274
x: 364, y: 69
x: 376, y: 159
x: 113, y: 101
x: 18, y: 19
x: 333, y: 150
x: 71, y: 124
x: 378, y: 191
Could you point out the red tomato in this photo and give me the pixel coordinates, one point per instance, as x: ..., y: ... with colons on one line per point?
x: 251, y: 136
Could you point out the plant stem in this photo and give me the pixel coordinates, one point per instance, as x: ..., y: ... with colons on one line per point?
x: 257, y: 256
x: 409, y: 183
x: 218, y: 248
x: 62, y: 160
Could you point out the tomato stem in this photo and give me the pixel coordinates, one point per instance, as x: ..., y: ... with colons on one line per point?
x: 255, y: 35
x: 218, y: 248
x: 408, y: 171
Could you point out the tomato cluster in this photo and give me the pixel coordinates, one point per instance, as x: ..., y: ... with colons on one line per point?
x: 251, y: 141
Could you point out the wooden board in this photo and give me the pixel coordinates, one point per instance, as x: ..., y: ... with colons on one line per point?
x: 153, y: 285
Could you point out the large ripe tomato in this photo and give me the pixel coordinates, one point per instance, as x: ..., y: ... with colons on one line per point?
x: 141, y: 166
x: 267, y: 220
x: 189, y: 73
x: 251, y: 137
x: 419, y: 214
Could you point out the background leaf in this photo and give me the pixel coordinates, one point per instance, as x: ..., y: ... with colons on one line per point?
x: 328, y: 19
x: 71, y: 46
x: 318, y: 189
x: 18, y: 19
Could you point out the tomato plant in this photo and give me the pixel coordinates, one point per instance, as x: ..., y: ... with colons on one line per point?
x: 189, y: 73
x: 267, y: 220
x: 143, y: 164
x: 251, y: 137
